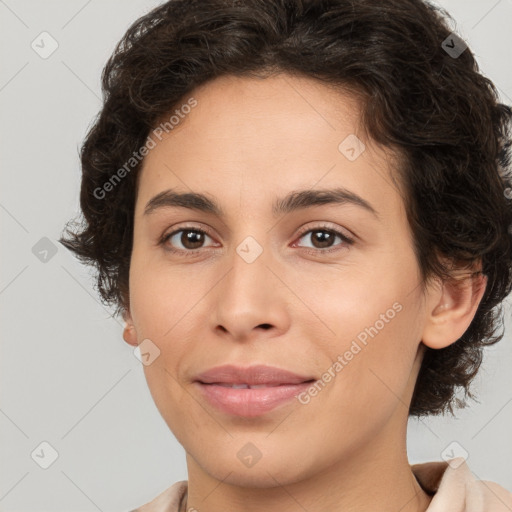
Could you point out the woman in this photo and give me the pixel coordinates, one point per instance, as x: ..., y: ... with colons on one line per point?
x: 301, y: 209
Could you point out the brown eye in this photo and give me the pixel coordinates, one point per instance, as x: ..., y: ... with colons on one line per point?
x: 190, y: 239
x: 322, y: 238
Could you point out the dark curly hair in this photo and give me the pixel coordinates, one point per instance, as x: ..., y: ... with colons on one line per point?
x: 433, y: 108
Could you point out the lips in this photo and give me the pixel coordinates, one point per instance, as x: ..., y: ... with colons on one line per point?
x: 250, y: 403
x: 253, y: 377
x: 252, y: 391
x: 244, y: 386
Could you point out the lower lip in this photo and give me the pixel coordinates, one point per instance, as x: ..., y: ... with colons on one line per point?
x: 250, y: 402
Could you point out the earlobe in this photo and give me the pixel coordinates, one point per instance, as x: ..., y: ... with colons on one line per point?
x: 129, y: 332
x: 454, y: 309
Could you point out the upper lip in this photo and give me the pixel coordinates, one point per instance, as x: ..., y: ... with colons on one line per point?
x: 252, y: 375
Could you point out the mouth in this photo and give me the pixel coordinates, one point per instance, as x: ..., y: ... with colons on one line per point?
x: 250, y: 391
x: 243, y: 385
x: 241, y: 399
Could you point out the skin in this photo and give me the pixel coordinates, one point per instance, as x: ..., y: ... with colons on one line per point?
x: 247, y: 142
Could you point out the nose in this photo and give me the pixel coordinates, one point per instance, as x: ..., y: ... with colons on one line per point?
x: 250, y: 298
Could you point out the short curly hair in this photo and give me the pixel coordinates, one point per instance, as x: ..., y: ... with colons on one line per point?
x: 434, y: 108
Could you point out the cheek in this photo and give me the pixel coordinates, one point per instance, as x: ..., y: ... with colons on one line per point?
x: 378, y: 377
x: 370, y: 333
x: 171, y: 399
x: 162, y: 295
x: 156, y: 306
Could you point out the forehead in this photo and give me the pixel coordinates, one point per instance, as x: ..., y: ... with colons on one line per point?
x: 247, y: 136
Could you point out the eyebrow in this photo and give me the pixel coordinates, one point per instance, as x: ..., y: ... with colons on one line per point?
x: 296, y: 200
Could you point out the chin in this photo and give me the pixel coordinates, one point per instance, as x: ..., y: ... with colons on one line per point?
x: 263, y: 478
x: 269, y: 471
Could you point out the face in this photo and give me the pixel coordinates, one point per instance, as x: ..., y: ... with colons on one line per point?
x: 301, y: 287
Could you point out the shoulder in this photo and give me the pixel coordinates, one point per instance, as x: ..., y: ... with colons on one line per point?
x: 497, y: 498
x: 167, y: 501
x: 453, y: 485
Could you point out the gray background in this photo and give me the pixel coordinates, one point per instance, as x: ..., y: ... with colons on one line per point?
x: 67, y: 377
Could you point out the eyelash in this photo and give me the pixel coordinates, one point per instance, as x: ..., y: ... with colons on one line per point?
x: 192, y: 252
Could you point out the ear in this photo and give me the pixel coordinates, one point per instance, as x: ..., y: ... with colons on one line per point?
x: 129, y: 333
x: 451, y: 306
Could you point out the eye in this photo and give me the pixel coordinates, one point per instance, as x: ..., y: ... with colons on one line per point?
x: 323, y: 237
x: 190, y: 239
